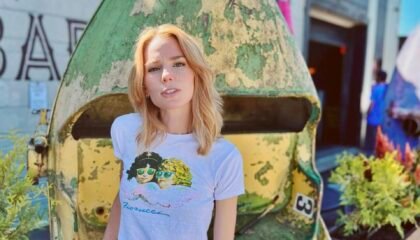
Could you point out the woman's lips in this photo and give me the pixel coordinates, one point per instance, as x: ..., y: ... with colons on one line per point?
x: 169, y: 92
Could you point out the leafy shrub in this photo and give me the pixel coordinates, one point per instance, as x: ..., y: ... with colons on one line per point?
x: 18, y: 213
x: 381, y: 190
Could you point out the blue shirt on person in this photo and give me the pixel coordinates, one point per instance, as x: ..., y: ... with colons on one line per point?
x: 377, y: 98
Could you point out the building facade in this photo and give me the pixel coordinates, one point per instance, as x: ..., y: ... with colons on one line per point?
x: 37, y: 39
x: 341, y: 42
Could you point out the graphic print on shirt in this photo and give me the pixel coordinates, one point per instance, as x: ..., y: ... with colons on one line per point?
x: 162, y: 183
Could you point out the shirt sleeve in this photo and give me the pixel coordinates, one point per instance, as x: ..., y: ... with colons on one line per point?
x: 116, y: 138
x: 229, y: 177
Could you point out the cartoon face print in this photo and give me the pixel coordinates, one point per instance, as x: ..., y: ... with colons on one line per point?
x: 165, y: 179
x: 173, y: 172
x: 145, y: 174
x: 144, y: 167
x: 163, y: 183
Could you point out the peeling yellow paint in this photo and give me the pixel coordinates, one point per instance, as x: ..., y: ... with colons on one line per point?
x: 255, y: 157
x: 252, y: 4
x: 65, y: 212
x: 116, y: 77
x: 145, y: 6
x: 73, y: 100
x: 180, y: 20
x: 99, y: 191
x: 211, y: 7
x: 225, y: 63
x: 304, y: 153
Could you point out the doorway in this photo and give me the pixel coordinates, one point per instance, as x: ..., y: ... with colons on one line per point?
x: 326, y: 66
x: 336, y: 62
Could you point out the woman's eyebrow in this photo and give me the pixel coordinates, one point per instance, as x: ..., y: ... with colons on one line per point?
x: 151, y: 62
x: 157, y: 61
x: 176, y: 57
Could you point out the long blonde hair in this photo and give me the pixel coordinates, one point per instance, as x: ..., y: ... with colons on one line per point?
x: 206, y: 102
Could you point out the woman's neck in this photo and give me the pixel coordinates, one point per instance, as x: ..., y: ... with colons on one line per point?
x: 177, y: 121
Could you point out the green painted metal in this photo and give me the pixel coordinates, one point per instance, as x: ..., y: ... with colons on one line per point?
x: 240, y: 38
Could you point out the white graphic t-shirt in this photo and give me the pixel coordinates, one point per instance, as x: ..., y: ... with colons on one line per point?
x: 168, y: 191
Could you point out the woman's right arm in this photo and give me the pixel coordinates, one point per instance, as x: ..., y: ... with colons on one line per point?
x: 111, y: 232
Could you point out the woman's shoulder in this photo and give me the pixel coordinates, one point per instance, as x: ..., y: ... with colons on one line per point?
x: 127, y: 120
x: 222, y: 145
x: 124, y: 129
x: 126, y: 125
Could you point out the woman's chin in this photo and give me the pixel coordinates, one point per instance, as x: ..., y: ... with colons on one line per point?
x: 173, y: 105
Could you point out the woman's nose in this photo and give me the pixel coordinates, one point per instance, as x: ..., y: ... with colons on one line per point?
x: 167, y: 75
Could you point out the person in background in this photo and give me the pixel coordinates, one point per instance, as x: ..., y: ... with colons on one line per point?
x: 376, y: 110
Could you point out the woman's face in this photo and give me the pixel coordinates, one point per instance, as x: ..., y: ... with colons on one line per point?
x: 168, y: 78
x: 145, y: 174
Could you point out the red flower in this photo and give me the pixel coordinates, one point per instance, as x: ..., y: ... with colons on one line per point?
x: 383, y: 144
x: 408, y: 157
x: 399, y: 156
x: 417, y: 175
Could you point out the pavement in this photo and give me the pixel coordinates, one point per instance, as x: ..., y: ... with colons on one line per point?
x: 40, y: 234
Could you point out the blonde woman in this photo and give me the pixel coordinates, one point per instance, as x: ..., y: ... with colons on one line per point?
x: 178, y: 116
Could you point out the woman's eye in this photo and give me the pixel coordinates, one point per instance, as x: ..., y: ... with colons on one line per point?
x: 153, y: 69
x: 179, y: 64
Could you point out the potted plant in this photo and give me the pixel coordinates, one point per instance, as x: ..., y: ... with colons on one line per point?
x: 383, y: 191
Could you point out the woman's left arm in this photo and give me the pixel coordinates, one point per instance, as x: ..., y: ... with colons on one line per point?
x: 225, y: 219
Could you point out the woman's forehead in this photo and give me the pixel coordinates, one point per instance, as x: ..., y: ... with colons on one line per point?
x: 162, y: 48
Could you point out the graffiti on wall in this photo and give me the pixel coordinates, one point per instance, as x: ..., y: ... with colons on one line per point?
x: 36, y: 35
x: 36, y: 50
x: 75, y: 29
x: 2, y: 53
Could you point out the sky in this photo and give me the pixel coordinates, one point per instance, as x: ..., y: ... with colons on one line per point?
x: 409, y: 16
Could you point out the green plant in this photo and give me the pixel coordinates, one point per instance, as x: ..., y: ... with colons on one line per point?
x: 381, y: 190
x: 18, y: 214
